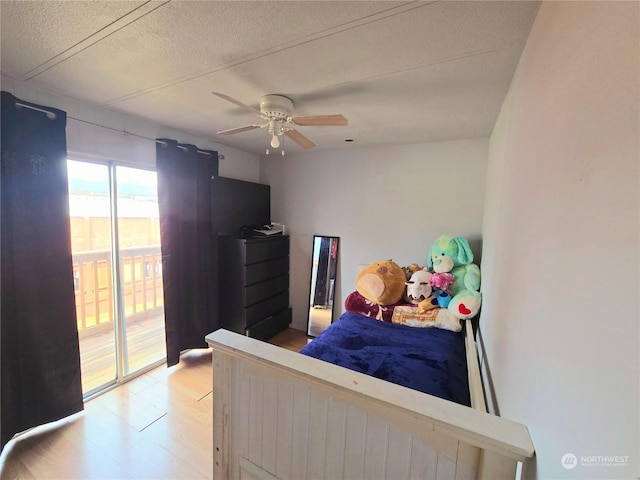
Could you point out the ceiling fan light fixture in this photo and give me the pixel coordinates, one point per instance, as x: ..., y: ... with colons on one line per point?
x: 277, y: 111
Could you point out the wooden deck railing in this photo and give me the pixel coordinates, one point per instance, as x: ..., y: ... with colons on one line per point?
x: 141, y: 272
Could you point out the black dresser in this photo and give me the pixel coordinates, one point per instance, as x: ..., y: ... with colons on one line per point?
x: 254, y: 285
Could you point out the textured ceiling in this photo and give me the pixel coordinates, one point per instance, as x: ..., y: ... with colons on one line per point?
x: 401, y: 72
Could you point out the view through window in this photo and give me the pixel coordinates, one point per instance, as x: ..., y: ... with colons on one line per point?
x: 117, y: 268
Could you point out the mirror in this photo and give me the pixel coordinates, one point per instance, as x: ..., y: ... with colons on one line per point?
x: 324, y: 267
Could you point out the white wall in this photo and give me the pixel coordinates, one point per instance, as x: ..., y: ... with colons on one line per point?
x: 560, y: 316
x: 388, y: 202
x: 93, y: 141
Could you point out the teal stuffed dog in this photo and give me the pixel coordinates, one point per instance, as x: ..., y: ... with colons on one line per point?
x: 453, y: 255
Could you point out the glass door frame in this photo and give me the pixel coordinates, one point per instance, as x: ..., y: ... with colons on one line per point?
x: 117, y: 283
x: 119, y: 315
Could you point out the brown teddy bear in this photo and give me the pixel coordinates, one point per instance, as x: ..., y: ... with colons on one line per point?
x: 382, y: 282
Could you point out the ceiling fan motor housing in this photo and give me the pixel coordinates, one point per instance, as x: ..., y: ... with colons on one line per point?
x: 276, y: 107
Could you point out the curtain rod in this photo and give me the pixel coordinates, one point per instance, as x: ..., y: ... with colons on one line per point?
x: 52, y: 116
x: 49, y: 114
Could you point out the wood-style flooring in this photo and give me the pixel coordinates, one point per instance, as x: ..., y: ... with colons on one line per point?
x: 156, y: 426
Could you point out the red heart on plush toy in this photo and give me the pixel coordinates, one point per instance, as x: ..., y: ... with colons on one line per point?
x: 463, y: 310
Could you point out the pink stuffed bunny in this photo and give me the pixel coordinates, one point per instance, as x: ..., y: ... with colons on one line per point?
x: 442, y: 281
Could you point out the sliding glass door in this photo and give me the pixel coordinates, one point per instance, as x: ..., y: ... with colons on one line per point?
x: 140, y: 268
x: 117, y: 271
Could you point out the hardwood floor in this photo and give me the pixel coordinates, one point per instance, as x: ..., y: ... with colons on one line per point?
x: 157, y: 426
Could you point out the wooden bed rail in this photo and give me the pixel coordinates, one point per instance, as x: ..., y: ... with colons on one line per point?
x: 473, y: 368
x: 291, y: 416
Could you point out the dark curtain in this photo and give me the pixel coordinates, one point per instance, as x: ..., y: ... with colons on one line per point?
x: 189, y: 249
x: 40, y: 357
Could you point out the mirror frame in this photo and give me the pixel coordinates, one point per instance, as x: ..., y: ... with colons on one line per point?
x: 317, y: 323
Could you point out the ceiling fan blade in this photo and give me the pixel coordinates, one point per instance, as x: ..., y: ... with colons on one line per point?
x: 300, y: 139
x: 231, y: 131
x: 237, y: 102
x: 321, y: 121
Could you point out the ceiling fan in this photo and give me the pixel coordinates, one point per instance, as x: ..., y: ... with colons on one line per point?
x: 277, y: 111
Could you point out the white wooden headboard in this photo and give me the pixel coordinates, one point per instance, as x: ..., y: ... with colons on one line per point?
x: 279, y: 414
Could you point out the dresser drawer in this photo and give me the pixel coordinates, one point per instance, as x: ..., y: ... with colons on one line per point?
x: 260, y: 311
x: 270, y: 326
x: 253, y: 281
x: 257, y: 272
x: 266, y: 250
x: 260, y: 291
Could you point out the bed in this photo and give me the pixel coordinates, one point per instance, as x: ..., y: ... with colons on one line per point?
x: 282, y: 414
x: 430, y: 360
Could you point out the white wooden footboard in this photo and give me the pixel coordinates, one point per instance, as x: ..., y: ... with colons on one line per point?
x: 279, y: 414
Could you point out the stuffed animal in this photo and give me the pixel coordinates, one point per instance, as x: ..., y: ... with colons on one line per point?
x: 441, y: 283
x: 453, y: 255
x: 419, y: 291
x: 382, y: 282
x: 411, y: 269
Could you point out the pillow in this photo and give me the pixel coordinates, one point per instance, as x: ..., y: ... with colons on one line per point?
x: 414, y: 316
x: 356, y: 303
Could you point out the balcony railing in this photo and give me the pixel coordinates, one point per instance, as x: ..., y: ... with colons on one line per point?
x: 141, y: 271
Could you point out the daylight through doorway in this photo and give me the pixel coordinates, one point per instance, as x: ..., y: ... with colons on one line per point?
x: 117, y: 268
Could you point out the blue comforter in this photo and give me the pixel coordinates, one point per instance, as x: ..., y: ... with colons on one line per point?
x: 430, y: 360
